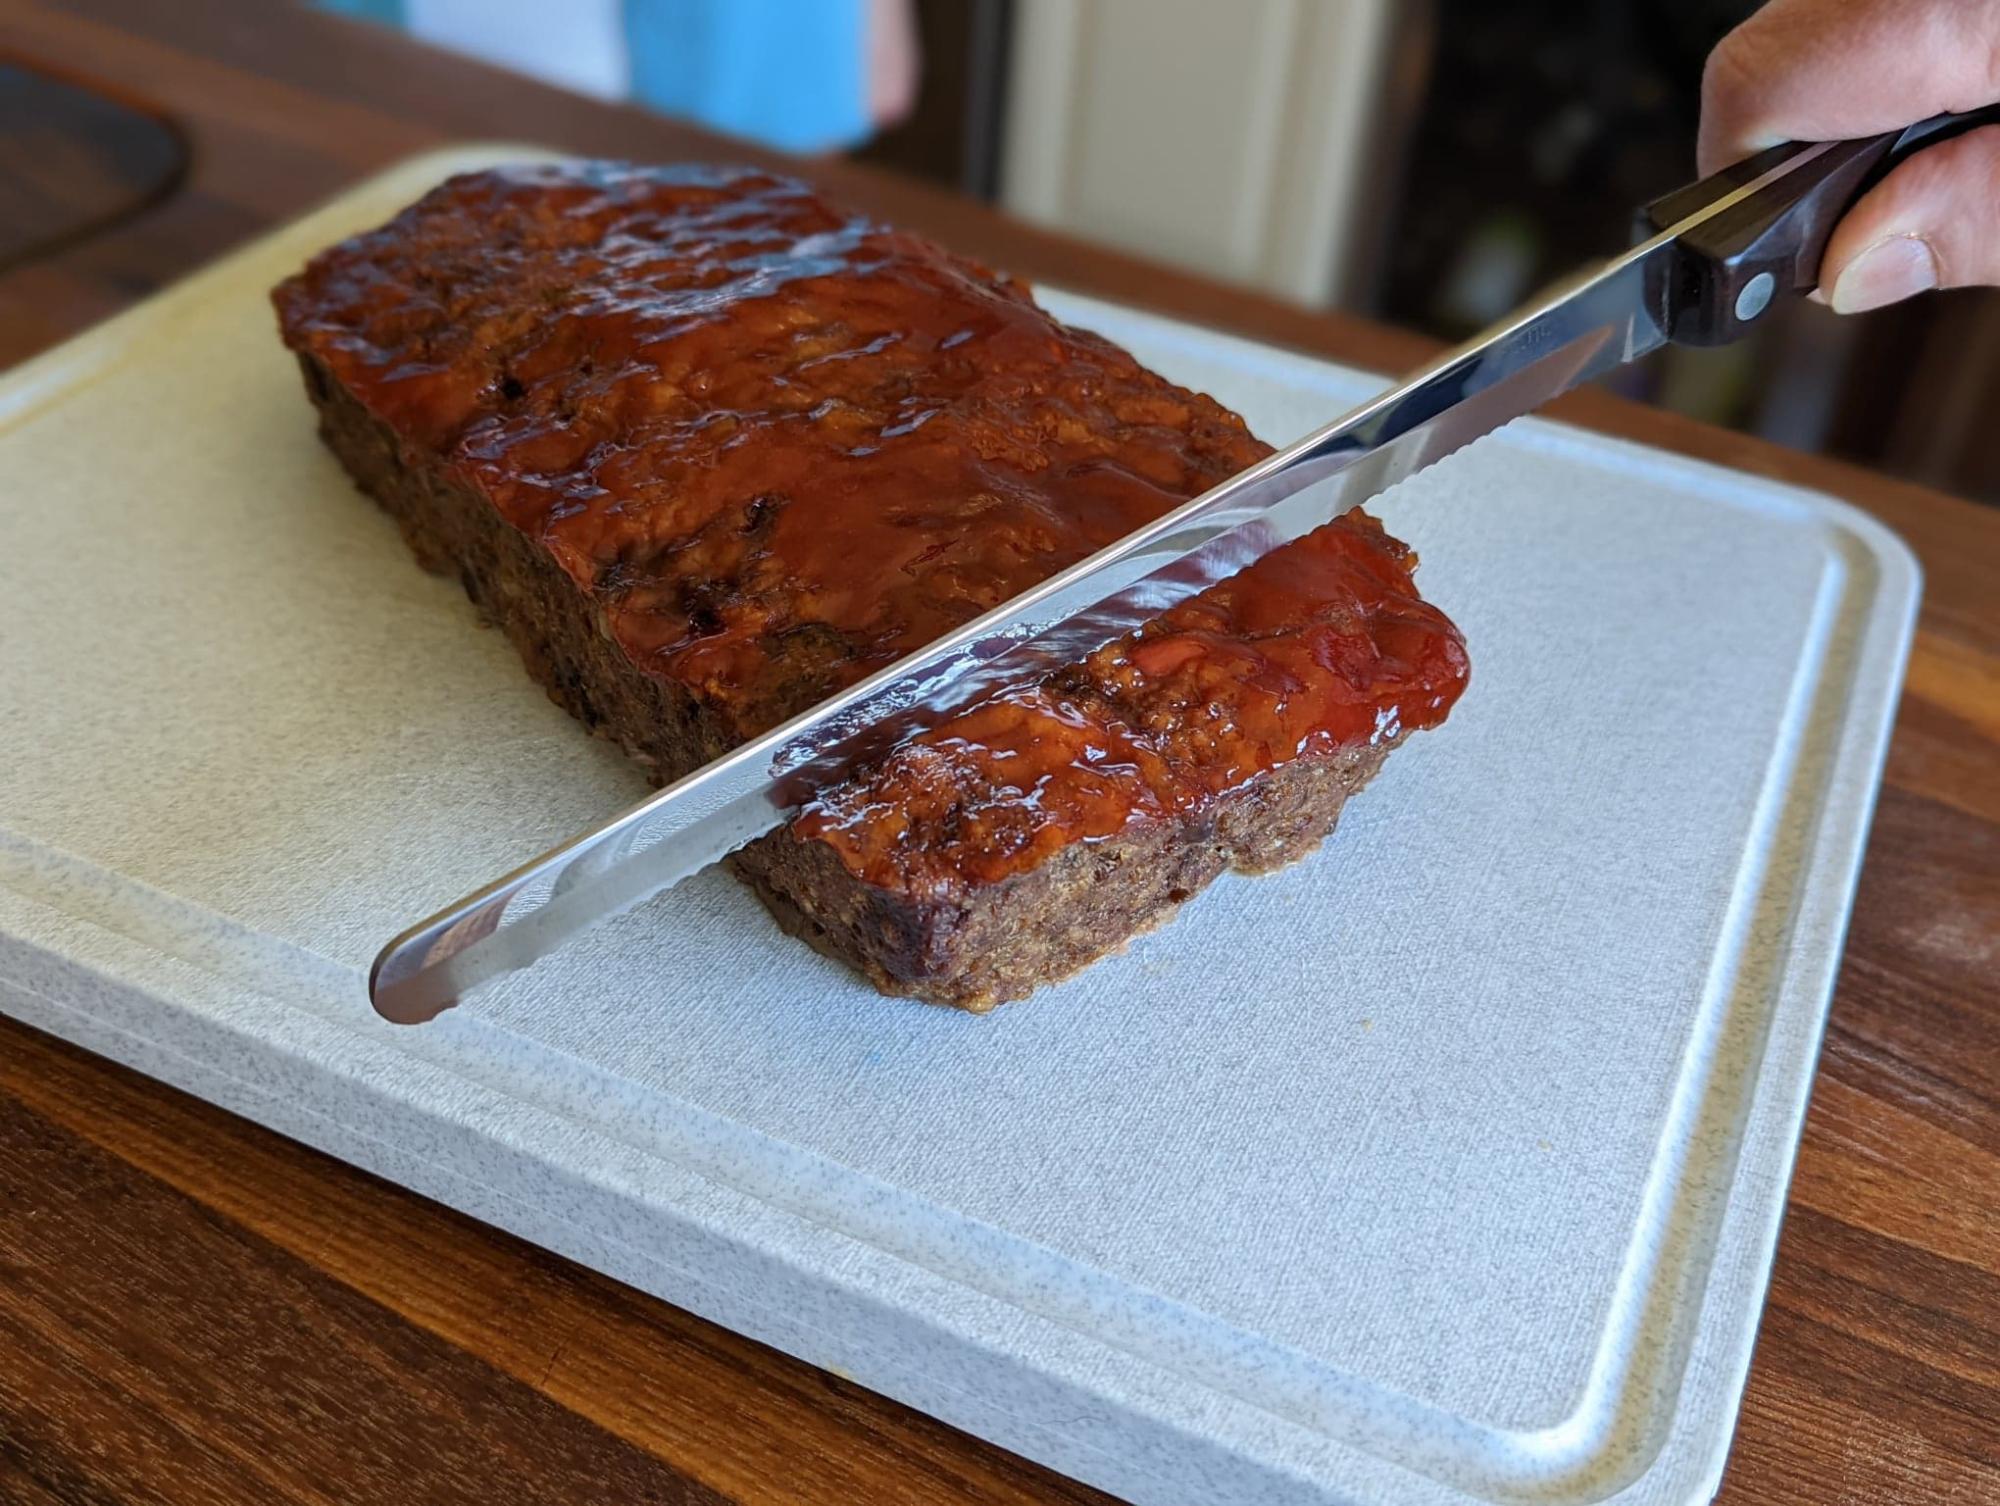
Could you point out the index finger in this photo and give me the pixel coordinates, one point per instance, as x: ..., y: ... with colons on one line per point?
x: 1828, y: 70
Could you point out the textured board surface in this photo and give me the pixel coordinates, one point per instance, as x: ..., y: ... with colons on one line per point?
x: 1444, y: 1166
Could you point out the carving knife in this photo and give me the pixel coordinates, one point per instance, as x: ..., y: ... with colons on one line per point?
x: 1711, y: 260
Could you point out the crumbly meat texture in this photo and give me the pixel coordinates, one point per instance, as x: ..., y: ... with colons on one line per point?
x: 707, y: 449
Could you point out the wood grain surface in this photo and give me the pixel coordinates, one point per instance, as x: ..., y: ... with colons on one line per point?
x: 195, y: 1310
x: 74, y: 161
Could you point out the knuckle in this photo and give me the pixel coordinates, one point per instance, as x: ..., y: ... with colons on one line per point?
x: 1724, y: 75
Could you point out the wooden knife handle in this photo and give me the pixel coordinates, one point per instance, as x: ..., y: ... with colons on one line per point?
x: 1730, y: 267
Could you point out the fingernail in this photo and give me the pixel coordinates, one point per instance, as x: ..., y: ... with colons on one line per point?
x: 1896, y: 267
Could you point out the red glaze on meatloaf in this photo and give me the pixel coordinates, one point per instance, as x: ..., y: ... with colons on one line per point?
x: 1318, y: 646
x: 777, y: 444
x: 708, y: 448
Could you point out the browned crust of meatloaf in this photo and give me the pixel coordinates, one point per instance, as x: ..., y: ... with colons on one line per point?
x: 1006, y: 939
x: 520, y: 589
x: 1000, y: 941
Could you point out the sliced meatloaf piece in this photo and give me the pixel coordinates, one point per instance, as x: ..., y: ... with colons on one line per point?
x: 708, y: 448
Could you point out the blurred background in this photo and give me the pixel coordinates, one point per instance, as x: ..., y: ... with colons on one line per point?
x: 1425, y: 163
x: 1428, y: 163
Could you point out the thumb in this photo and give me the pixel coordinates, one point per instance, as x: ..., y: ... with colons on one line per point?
x: 1932, y: 223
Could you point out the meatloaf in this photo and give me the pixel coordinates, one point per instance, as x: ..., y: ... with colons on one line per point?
x: 708, y: 448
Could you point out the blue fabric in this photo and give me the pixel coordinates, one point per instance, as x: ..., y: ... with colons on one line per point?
x: 788, y: 73
x: 386, y: 12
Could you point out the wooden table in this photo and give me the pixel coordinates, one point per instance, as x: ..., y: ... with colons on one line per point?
x: 195, y: 1310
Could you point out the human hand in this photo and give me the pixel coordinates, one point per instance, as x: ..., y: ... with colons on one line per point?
x: 1828, y: 70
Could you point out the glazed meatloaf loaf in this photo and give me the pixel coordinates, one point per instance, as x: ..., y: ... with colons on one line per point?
x: 708, y: 448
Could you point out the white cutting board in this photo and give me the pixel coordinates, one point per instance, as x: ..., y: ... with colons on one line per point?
x: 1445, y: 1166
